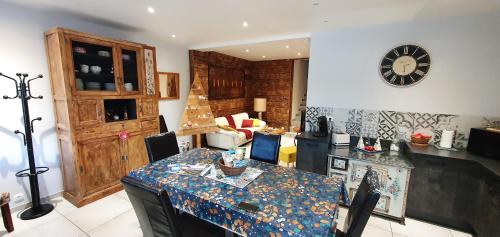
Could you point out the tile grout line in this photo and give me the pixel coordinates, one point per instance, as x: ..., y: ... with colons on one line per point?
x: 95, y: 228
x: 65, y: 217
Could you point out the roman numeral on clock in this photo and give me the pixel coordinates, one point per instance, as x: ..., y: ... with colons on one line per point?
x: 393, y: 78
x: 396, y: 52
x: 388, y: 73
x: 423, y: 64
x: 416, y: 49
x: 419, y: 72
x: 402, y: 81
x: 386, y: 66
x: 423, y: 56
x: 405, y: 50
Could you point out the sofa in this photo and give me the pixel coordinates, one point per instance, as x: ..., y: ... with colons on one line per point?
x: 226, y: 139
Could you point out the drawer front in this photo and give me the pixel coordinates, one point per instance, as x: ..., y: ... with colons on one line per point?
x: 150, y: 124
x: 105, y: 130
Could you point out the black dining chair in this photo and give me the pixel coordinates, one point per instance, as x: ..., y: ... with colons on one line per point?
x: 157, y: 216
x: 362, y: 205
x: 265, y: 147
x: 163, y: 125
x: 161, y: 146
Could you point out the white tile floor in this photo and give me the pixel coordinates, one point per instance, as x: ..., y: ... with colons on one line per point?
x: 114, y: 216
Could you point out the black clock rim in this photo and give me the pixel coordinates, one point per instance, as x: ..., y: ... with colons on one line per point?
x: 404, y: 86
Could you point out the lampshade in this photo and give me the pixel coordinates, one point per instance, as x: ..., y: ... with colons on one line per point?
x: 259, y: 104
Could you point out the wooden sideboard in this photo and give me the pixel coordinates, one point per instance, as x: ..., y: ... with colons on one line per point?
x: 101, y: 87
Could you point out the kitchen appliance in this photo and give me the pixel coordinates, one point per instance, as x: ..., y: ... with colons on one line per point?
x: 322, y: 127
x: 484, y: 142
x: 341, y: 139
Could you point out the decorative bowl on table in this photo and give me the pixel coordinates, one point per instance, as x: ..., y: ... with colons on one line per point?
x: 229, y: 170
x: 419, y: 139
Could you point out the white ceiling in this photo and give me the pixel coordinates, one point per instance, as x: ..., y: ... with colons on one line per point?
x: 268, y: 50
x: 215, y: 24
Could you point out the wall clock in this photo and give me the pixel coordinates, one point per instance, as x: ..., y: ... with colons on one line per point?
x: 405, y: 65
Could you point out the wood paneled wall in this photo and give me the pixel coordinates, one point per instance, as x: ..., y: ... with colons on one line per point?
x: 273, y: 80
x: 268, y: 79
x: 200, y: 63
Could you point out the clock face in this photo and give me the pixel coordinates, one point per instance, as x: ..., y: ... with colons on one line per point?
x: 405, y: 65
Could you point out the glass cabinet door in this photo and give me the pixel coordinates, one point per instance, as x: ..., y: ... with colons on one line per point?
x: 94, y: 67
x: 130, y: 67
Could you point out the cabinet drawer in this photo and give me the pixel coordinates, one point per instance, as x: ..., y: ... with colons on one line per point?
x: 107, y: 129
x: 150, y: 124
x: 123, y: 126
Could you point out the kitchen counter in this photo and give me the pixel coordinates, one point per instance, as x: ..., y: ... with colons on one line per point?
x: 464, y: 155
x: 388, y: 158
x: 463, y: 188
x: 310, y: 137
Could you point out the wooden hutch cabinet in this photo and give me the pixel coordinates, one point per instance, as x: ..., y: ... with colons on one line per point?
x: 101, y: 87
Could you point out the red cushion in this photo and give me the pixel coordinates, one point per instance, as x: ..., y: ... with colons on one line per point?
x: 247, y: 123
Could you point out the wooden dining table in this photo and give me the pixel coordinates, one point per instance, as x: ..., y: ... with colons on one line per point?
x: 291, y: 202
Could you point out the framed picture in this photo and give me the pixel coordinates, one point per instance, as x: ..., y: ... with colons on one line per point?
x: 339, y: 163
x: 169, y: 85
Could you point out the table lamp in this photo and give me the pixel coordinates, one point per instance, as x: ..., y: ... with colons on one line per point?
x: 259, y: 105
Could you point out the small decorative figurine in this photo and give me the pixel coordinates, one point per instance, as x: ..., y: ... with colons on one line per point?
x: 361, y: 143
x: 377, y: 146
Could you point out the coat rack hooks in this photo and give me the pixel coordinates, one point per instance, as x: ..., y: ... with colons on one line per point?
x: 23, y: 92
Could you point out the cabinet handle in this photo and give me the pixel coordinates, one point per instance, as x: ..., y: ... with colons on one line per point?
x: 81, y: 169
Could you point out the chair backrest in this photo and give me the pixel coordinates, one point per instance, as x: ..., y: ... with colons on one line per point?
x: 153, y: 209
x: 362, y: 204
x: 161, y: 146
x: 163, y: 125
x: 265, y: 147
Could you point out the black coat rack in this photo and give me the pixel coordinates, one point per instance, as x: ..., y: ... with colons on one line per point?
x: 23, y: 92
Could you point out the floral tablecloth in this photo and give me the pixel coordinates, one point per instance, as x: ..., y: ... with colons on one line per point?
x: 291, y: 202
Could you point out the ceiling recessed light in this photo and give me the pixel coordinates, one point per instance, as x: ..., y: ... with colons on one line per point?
x: 263, y: 56
x: 247, y: 50
x: 299, y: 54
x: 173, y: 36
x: 245, y: 24
x: 151, y: 10
x: 287, y: 46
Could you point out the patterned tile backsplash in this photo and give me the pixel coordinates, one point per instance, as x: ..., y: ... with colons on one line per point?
x: 391, y: 125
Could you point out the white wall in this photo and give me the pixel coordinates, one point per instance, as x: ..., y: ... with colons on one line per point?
x: 464, y: 77
x: 300, y: 72
x: 22, y: 50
